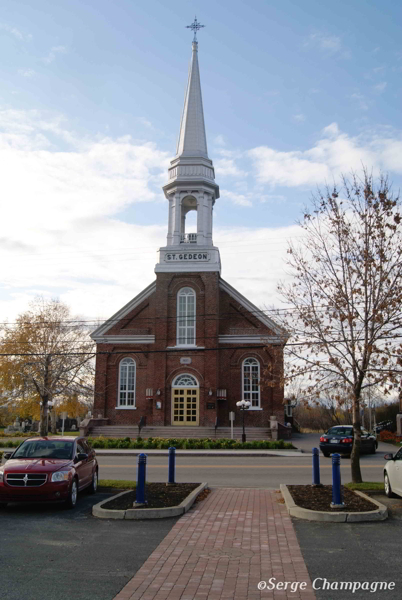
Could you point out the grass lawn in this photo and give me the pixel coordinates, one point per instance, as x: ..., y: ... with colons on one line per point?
x: 366, y: 485
x: 118, y: 484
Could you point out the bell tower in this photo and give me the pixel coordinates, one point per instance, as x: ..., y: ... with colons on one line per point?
x: 191, y: 187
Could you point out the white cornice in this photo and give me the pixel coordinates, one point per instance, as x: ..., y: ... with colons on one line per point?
x: 102, y: 329
x: 256, y: 312
x: 124, y: 339
x: 250, y: 339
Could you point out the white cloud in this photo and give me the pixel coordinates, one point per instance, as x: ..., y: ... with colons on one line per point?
x: 26, y: 72
x: 53, y: 53
x: 299, y: 118
x: 227, y: 166
x: 265, y: 249
x: 329, y: 44
x: 58, y: 227
x: 219, y: 140
x: 16, y: 32
x: 360, y: 100
x: 335, y: 153
x: 380, y: 87
x: 61, y: 232
x: 145, y: 122
x: 239, y: 199
x: 272, y: 198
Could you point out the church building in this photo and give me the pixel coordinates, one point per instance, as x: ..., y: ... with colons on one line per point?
x: 189, y: 346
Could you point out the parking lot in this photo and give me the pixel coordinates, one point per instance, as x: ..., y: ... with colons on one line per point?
x: 48, y: 552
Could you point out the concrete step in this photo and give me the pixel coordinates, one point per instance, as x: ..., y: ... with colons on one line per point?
x: 253, y: 433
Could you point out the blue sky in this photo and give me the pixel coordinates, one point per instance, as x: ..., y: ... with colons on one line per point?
x: 295, y: 93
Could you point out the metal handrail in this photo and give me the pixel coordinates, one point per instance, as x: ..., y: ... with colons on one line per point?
x: 141, y: 424
x: 188, y: 238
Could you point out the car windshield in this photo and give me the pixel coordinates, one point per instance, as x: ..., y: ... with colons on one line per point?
x: 340, y: 431
x: 45, y: 449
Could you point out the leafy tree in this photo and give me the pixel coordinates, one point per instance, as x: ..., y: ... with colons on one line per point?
x: 47, y: 354
x: 346, y: 296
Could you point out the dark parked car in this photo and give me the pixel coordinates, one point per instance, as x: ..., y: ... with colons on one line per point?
x: 340, y: 439
x: 48, y: 469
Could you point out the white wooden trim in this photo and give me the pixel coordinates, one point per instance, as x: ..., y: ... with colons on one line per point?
x: 250, y: 339
x: 257, y: 313
x: 126, y: 406
x: 125, y: 339
x: 102, y: 329
x: 251, y: 392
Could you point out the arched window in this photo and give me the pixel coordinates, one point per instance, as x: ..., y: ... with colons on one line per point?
x: 126, y: 397
x: 251, y: 382
x: 185, y: 380
x: 186, y: 317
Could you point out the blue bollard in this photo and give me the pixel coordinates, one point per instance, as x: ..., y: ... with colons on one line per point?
x: 172, y: 465
x: 141, y: 476
x: 336, y: 482
x: 316, y: 467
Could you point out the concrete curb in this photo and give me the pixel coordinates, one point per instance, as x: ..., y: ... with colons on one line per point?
x: 225, y: 453
x: 146, y: 513
x: 380, y: 514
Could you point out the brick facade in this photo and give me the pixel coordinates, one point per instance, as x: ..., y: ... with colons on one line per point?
x: 216, y: 365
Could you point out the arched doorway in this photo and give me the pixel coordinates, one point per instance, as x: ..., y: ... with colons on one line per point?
x: 185, y: 400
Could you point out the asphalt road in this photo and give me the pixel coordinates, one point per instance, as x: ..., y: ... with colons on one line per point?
x: 264, y: 472
x: 355, y: 552
x: 49, y: 553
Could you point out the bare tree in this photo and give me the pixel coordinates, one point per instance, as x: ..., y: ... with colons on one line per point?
x: 46, y: 354
x: 346, y: 296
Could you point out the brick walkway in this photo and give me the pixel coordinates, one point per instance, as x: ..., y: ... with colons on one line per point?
x: 221, y: 549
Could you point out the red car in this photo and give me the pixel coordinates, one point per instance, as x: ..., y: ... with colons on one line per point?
x: 46, y: 469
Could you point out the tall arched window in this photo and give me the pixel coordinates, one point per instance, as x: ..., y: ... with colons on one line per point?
x: 251, y: 382
x: 186, y: 317
x: 126, y: 397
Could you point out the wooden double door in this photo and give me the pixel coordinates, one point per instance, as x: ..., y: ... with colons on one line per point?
x: 185, y: 406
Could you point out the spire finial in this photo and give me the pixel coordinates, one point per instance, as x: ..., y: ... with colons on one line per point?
x: 195, y: 26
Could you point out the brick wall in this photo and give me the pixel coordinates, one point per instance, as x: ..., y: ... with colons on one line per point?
x: 216, y: 313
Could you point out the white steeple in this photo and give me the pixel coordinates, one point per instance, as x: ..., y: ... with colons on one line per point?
x: 192, y: 138
x: 191, y: 186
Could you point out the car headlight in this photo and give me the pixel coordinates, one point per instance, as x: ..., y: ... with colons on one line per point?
x: 60, y: 476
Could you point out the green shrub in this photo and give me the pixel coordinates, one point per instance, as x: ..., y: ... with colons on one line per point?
x: 185, y: 444
x: 123, y: 443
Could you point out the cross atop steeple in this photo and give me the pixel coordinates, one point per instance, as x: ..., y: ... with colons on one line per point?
x: 195, y: 26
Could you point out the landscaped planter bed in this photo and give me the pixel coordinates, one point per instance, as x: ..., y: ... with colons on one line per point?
x: 313, y: 503
x: 163, y: 501
x: 158, y: 495
x: 320, y: 498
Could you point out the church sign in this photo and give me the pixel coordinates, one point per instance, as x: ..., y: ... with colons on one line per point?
x: 198, y: 256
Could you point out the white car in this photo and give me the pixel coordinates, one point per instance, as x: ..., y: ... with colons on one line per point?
x: 393, y: 474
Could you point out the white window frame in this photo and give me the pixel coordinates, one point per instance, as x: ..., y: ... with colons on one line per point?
x: 248, y: 394
x: 185, y: 333
x: 124, y: 366
x: 185, y: 380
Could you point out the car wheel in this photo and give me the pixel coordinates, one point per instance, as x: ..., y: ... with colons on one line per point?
x: 387, y: 486
x: 72, y: 496
x: 94, y: 483
x: 373, y: 448
x: 3, y: 505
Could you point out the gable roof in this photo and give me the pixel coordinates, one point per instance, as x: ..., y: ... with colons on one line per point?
x: 249, y: 306
x: 123, y: 312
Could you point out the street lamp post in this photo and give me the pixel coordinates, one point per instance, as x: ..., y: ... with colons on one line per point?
x: 243, y: 405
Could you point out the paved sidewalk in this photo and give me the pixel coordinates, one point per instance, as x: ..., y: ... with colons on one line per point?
x: 222, y: 549
x: 225, y: 453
